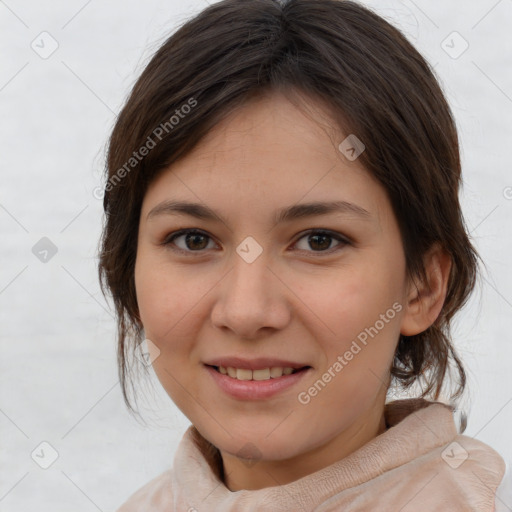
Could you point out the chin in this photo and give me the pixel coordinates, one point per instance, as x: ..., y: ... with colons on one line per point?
x: 257, y: 445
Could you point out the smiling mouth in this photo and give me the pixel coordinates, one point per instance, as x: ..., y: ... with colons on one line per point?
x: 257, y: 375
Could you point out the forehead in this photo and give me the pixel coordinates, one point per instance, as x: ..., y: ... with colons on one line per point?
x: 266, y: 155
x: 272, y: 120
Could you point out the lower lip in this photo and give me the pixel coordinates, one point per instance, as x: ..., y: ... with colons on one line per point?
x: 255, y: 389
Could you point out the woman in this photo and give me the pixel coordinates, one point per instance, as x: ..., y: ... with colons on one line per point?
x: 284, y: 231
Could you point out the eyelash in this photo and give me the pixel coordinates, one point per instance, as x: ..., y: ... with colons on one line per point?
x: 170, y: 239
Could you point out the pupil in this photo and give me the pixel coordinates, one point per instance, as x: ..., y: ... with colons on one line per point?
x: 194, y: 237
x: 324, y: 237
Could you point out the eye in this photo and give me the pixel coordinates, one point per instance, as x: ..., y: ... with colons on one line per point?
x: 195, y: 241
x: 322, y: 239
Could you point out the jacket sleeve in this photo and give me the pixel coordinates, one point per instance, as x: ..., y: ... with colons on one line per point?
x: 503, y: 502
x: 155, y: 496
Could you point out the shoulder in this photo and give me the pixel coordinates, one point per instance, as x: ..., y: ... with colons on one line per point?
x: 504, y: 491
x: 475, y: 457
x: 492, y: 471
x: 155, y: 496
x: 469, y: 470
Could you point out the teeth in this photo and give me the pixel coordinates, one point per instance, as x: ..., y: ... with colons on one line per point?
x: 262, y: 374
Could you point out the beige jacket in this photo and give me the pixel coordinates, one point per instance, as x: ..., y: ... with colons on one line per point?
x: 419, y: 464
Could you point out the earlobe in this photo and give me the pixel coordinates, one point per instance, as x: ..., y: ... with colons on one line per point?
x: 425, y: 300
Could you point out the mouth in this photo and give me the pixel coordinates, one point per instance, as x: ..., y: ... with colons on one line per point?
x: 256, y: 384
x: 262, y: 374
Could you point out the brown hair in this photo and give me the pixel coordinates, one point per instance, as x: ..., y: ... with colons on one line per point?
x: 375, y: 84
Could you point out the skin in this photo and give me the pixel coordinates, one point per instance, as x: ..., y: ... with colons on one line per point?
x: 302, y: 298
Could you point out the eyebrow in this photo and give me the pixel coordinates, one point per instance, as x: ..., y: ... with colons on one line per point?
x: 287, y: 214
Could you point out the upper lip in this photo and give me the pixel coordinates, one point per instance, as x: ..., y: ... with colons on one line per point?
x: 253, y: 364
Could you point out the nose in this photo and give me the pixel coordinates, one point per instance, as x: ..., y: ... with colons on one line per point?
x: 251, y: 299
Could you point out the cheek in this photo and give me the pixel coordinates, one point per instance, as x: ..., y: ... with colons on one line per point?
x: 358, y: 321
x: 159, y: 296
x: 169, y: 299
x: 351, y: 299
x: 166, y: 305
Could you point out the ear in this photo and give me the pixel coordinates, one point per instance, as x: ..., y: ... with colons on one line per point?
x: 425, y: 299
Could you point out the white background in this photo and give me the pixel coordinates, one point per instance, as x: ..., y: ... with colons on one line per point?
x: 58, y: 375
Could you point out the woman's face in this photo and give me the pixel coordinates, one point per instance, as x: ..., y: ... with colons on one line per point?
x: 322, y: 292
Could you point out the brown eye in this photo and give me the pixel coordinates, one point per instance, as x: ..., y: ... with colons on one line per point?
x: 320, y: 241
x: 196, y: 241
x: 193, y: 240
